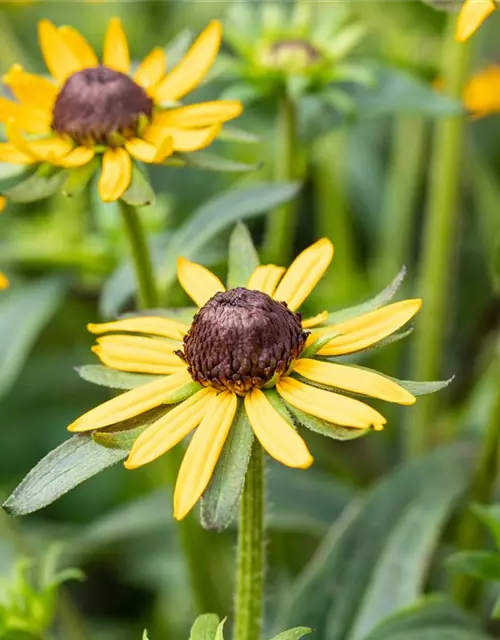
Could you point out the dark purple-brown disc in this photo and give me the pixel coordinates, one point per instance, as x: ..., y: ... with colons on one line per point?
x: 242, y: 339
x: 96, y: 104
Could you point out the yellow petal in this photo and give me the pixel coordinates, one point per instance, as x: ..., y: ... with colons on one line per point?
x: 353, y: 379
x: 193, y: 67
x: 363, y: 331
x: 47, y: 150
x: 59, y: 58
x: 304, y: 274
x: 203, y: 452
x: 169, y: 430
x: 308, y: 323
x: 26, y: 118
x: 147, y: 152
x: 265, y: 278
x: 32, y: 90
x: 132, y: 403
x: 482, y: 92
x: 116, y: 54
x: 115, y: 175
x: 138, y: 354
x: 472, y: 14
x: 11, y: 154
x: 77, y: 157
x: 329, y: 406
x: 4, y: 281
x: 152, y: 69
x: 198, y: 282
x: 184, y: 139
x: 144, y: 324
x: 79, y: 46
x: 275, y: 434
x: 3, y: 203
x: 199, y: 115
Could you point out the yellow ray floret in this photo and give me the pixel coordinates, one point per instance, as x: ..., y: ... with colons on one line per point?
x: 154, y: 325
x: 309, y: 323
x: 353, y: 379
x: 198, y: 282
x: 472, y: 15
x: 304, y: 274
x: 152, y: 69
x: 265, y: 278
x: 115, y: 174
x: 59, y: 57
x: 138, y: 354
x: 169, y: 430
x: 116, y: 54
x: 276, y: 435
x: 203, y: 452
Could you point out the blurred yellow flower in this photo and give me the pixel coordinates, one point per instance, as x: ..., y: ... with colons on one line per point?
x: 472, y: 15
x: 482, y: 92
x: 4, y: 281
x: 92, y: 108
x: 241, y: 344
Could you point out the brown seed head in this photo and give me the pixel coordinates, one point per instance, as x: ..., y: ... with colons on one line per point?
x: 242, y: 339
x: 292, y: 54
x: 100, y: 105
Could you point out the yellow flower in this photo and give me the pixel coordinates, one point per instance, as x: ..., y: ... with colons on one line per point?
x: 4, y: 281
x: 472, y: 15
x: 482, y: 92
x: 240, y: 344
x: 91, y: 108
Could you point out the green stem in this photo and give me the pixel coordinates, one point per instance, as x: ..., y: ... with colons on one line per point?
x: 250, y: 560
x: 400, y: 197
x: 438, y: 245
x: 334, y: 222
x: 192, y: 538
x: 281, y: 222
x: 147, y: 294
x: 466, y: 589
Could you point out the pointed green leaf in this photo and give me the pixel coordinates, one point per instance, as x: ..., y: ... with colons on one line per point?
x: 205, y: 627
x: 293, y: 634
x: 318, y: 344
x: 211, y: 162
x: 243, y: 258
x: 145, y: 635
x: 74, y: 461
x: 107, y: 377
x: 234, y: 134
x: 41, y: 184
x: 221, y: 498
x: 484, y: 565
x: 79, y: 178
x: 375, y: 303
x: 495, y: 614
x: 140, y: 193
x: 424, y: 388
x: 490, y: 515
x: 219, y: 634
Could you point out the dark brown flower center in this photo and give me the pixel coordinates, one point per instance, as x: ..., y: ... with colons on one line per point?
x: 100, y: 105
x: 241, y: 340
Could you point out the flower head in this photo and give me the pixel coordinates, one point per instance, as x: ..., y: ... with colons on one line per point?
x: 472, y: 15
x: 247, y: 349
x: 91, y: 109
x: 4, y: 281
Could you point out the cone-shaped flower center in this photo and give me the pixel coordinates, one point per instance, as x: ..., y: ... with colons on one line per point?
x: 100, y: 105
x: 241, y: 340
x: 292, y: 55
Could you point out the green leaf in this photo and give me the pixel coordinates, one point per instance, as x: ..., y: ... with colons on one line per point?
x: 74, y: 461
x: 484, y: 565
x: 234, y: 134
x: 145, y: 635
x: 107, y: 377
x: 140, y: 193
x: 424, y: 388
x: 243, y: 258
x: 439, y: 633
x: 318, y: 344
x: 375, y: 303
x: 219, y: 634
x: 205, y: 627
x: 398, y: 91
x: 212, y: 162
x: 495, y: 613
x: 293, y: 634
x: 375, y: 558
x: 429, y: 611
x: 24, y: 311
x: 220, y: 501
x: 490, y: 515
x: 41, y: 184
x: 78, y: 179
x: 178, y: 47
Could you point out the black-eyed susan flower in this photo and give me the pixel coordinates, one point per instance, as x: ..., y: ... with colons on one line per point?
x: 472, y: 15
x: 91, y: 108
x: 249, y: 349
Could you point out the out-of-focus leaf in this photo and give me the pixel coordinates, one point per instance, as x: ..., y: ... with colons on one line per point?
x: 208, y: 161
x: 484, y: 565
x: 243, y: 258
x: 107, y: 377
x: 41, y: 184
x: 78, y: 178
x: 205, y: 627
x: 178, y: 47
x: 74, y: 461
x: 490, y: 515
x: 398, y: 91
x: 429, y: 612
x: 439, y: 633
x: 234, y: 134
x: 8, y: 170
x: 140, y: 192
x: 221, y: 498
x: 375, y: 303
x: 219, y: 634
x: 24, y: 310
x: 293, y: 634
x: 495, y: 614
x: 375, y: 558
